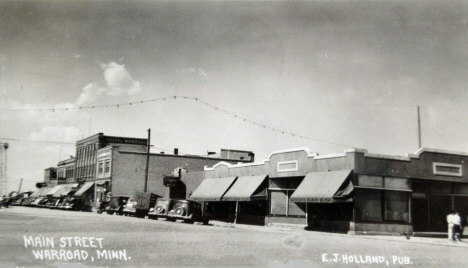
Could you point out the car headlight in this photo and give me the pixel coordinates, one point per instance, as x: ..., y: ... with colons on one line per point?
x: 151, y: 209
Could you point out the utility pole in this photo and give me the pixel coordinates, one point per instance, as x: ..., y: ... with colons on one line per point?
x: 19, y: 189
x: 419, y: 129
x: 147, y: 160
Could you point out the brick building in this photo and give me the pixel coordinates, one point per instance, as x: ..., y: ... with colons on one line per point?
x: 121, y: 170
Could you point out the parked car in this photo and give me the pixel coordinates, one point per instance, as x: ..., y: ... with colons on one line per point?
x: 144, y: 202
x: 53, y: 202
x: 29, y: 202
x: 36, y: 201
x: 43, y: 202
x: 116, y: 204
x: 189, y: 211
x: 102, y: 206
x: 161, y: 209
x: 19, y: 201
x: 130, y: 208
x: 74, y: 204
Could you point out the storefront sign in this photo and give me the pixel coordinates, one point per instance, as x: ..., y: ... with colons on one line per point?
x: 125, y: 140
x: 171, y: 181
x: 314, y: 200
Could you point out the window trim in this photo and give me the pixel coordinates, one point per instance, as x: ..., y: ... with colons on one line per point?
x: 296, y: 168
x: 444, y: 173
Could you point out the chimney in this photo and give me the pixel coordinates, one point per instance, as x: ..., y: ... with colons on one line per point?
x: 176, y: 151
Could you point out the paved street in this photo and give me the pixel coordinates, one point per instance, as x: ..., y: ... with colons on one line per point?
x: 34, y: 237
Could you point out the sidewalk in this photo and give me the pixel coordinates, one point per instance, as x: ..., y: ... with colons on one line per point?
x: 438, y: 239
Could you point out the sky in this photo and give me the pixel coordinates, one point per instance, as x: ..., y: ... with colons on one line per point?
x: 344, y: 74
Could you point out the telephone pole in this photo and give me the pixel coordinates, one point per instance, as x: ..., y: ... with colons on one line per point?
x: 147, y: 159
x: 419, y: 129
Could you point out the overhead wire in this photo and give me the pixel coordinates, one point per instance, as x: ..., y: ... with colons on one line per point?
x: 216, y: 108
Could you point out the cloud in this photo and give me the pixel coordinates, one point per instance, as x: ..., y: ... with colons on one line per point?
x: 119, y: 82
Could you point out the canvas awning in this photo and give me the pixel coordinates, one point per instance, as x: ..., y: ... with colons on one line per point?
x: 54, y: 190
x: 246, y: 188
x: 84, y: 188
x: 38, y: 192
x: 212, y: 189
x: 324, y: 187
x: 65, y: 189
x: 44, y: 192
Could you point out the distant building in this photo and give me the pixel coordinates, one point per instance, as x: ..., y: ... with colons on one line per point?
x: 86, y: 153
x: 50, y: 176
x: 66, y: 170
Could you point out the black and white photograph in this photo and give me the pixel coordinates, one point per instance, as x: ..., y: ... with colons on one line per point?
x: 228, y: 133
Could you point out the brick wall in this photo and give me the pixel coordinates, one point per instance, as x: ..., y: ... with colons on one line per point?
x: 128, y: 171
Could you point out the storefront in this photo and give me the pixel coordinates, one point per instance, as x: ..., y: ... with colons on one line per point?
x: 354, y: 191
x: 235, y: 199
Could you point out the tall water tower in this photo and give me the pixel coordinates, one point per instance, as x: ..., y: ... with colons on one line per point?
x: 3, y: 169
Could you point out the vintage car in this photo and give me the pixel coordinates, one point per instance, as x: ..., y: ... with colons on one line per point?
x: 53, y: 202
x: 19, y: 201
x: 43, y: 202
x: 130, y: 208
x: 29, y: 202
x: 116, y: 204
x: 189, y: 211
x: 73, y: 204
x: 36, y: 201
x: 161, y: 209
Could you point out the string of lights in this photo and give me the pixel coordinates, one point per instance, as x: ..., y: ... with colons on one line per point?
x: 216, y: 108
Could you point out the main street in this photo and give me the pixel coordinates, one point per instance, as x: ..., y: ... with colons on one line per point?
x: 37, y: 237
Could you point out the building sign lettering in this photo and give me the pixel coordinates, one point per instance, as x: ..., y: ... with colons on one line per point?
x: 171, y: 181
x: 125, y: 140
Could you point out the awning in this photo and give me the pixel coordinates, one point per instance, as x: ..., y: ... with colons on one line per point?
x: 54, y: 190
x: 44, y: 192
x: 324, y: 187
x: 246, y: 188
x: 83, y: 189
x: 37, y: 193
x: 212, y: 189
x: 65, y: 189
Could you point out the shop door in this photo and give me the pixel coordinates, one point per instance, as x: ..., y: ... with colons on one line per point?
x: 179, y: 191
x: 440, y: 207
x: 420, y: 214
x: 461, y: 206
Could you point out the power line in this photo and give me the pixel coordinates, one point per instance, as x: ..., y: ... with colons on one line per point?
x: 54, y: 142
x: 216, y: 108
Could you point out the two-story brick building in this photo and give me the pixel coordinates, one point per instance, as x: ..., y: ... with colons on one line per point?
x: 353, y: 191
x: 122, y: 170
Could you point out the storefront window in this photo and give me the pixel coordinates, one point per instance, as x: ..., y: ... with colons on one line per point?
x: 378, y: 205
x: 295, y: 209
x: 279, y: 200
x: 396, y: 206
x: 368, y: 205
